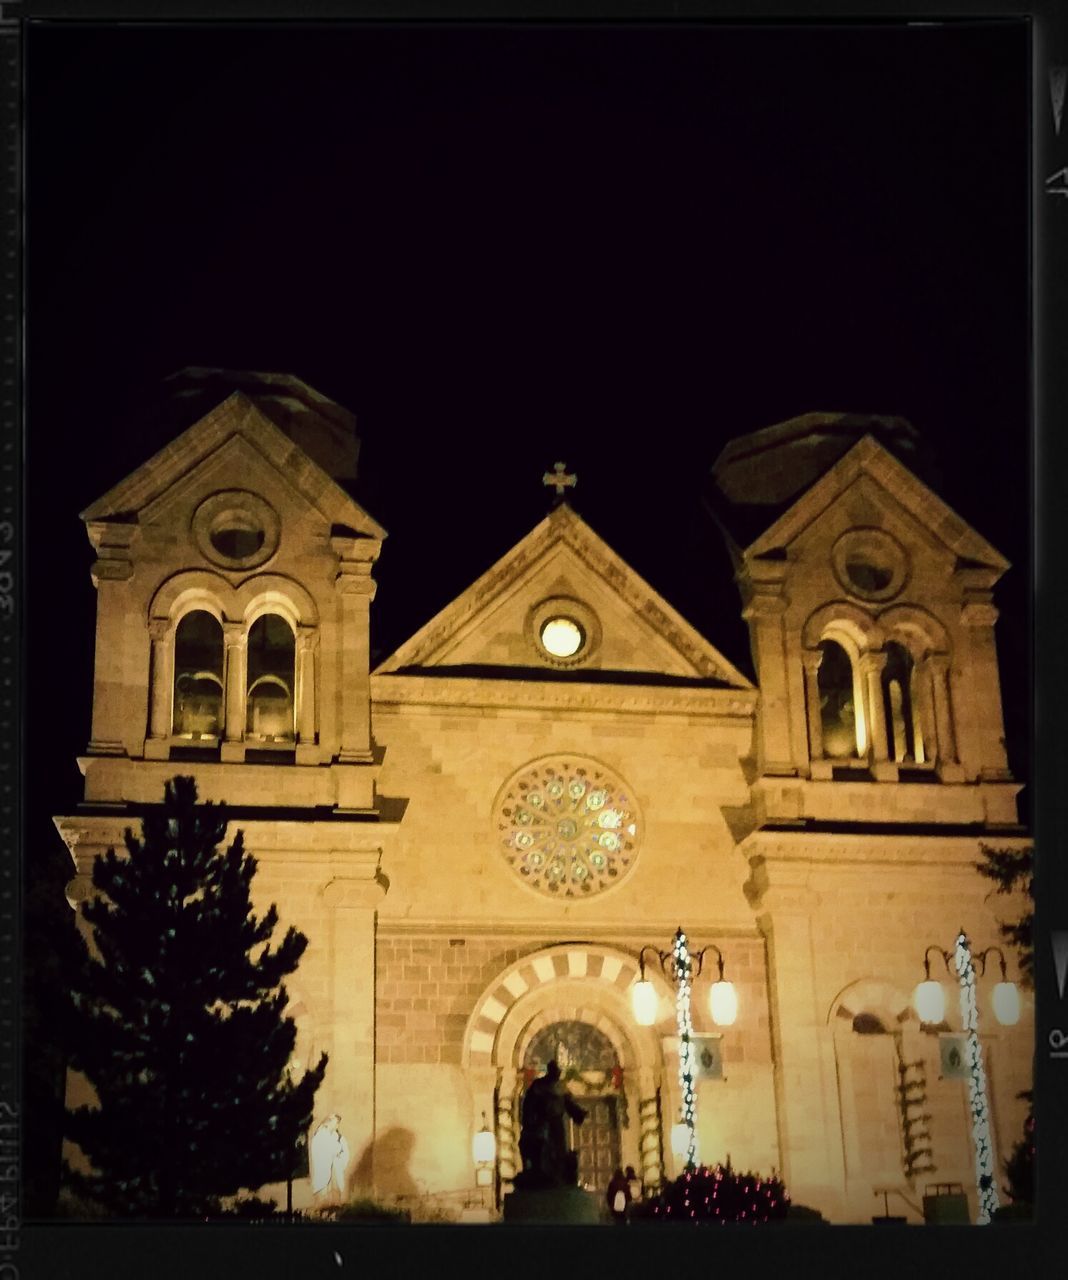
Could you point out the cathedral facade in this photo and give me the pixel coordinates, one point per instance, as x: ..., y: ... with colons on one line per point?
x: 483, y: 835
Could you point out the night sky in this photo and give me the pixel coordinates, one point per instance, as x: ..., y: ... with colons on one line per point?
x: 499, y: 247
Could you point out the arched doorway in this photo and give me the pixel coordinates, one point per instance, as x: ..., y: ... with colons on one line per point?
x: 582, y: 983
x: 592, y: 1072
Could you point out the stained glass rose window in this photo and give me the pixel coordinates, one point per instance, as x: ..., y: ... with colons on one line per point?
x: 568, y: 827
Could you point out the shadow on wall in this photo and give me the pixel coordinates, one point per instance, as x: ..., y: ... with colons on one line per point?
x: 384, y: 1166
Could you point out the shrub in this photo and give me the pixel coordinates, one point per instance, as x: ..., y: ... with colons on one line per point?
x: 364, y: 1211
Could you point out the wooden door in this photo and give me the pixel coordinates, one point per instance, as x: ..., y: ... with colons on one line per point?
x: 596, y: 1141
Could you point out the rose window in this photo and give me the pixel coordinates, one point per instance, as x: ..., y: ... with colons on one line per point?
x: 568, y: 827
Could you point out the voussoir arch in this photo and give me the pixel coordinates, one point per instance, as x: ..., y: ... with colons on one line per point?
x: 885, y: 1000
x: 274, y: 593
x: 193, y: 589
x: 918, y: 630
x: 499, y: 1017
x: 842, y: 616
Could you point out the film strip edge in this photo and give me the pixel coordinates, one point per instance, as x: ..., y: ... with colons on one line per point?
x: 11, y: 594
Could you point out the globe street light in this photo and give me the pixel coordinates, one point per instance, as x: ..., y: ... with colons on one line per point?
x: 681, y: 966
x: 930, y: 1003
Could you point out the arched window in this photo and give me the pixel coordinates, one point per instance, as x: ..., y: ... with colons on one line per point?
x: 837, y: 707
x: 902, y: 723
x: 271, y: 653
x: 198, y: 676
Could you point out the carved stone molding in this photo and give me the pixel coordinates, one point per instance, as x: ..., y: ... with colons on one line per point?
x: 725, y: 704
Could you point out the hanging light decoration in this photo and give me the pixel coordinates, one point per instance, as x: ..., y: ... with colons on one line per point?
x: 723, y: 1003
x: 484, y: 1154
x: 929, y: 1001
x: 643, y: 1001
x: 1006, y: 1003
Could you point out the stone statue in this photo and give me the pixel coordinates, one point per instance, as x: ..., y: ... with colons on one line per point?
x: 547, y: 1160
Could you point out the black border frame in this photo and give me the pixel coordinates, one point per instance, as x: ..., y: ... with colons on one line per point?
x: 119, y: 1251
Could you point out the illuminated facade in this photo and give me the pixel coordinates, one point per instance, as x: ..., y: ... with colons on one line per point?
x: 480, y: 835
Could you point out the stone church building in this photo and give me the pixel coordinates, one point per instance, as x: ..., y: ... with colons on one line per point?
x: 479, y: 834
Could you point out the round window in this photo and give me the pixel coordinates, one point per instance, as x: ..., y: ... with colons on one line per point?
x: 236, y: 529
x: 568, y: 827
x: 870, y: 563
x: 562, y: 637
x: 563, y: 632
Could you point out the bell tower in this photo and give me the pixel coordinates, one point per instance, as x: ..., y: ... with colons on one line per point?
x: 871, y: 618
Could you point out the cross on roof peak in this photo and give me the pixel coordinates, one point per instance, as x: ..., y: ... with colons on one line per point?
x: 559, y: 479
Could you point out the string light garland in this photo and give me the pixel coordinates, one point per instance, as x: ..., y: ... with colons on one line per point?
x: 683, y: 978
x: 984, y: 1150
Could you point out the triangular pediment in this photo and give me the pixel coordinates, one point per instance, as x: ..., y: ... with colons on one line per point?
x: 872, y: 472
x: 234, y: 431
x: 563, y: 567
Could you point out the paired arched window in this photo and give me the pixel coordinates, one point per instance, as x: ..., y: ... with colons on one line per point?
x: 871, y: 696
x: 203, y: 676
x: 271, y: 678
x: 198, y: 676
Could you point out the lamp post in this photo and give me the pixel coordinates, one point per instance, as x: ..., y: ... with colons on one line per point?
x: 484, y: 1154
x: 930, y: 1003
x: 681, y: 965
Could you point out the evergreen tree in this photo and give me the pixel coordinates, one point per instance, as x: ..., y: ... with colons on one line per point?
x: 1020, y: 1166
x: 180, y: 1021
x: 1013, y: 869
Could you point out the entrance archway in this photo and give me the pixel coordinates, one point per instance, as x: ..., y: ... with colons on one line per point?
x: 583, y: 987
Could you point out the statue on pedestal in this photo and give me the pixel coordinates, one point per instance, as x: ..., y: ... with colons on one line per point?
x: 547, y: 1160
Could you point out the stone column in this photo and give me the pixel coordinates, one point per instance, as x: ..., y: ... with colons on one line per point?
x: 923, y: 715
x: 235, y: 637
x: 349, y: 1088
x: 937, y: 667
x: 356, y: 589
x: 812, y: 658
x: 161, y: 675
x: 871, y: 669
x: 984, y: 686
x: 307, y: 650
x: 112, y: 719
x: 764, y: 613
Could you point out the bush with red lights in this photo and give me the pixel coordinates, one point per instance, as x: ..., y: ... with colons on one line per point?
x: 717, y: 1195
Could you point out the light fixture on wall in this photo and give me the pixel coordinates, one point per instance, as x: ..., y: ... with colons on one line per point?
x: 680, y: 1140
x: 682, y: 966
x: 929, y: 1001
x: 484, y: 1154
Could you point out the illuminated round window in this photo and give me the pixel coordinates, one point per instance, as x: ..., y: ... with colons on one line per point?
x: 568, y: 827
x: 563, y: 632
x: 562, y: 637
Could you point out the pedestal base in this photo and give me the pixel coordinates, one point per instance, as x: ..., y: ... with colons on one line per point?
x: 557, y: 1205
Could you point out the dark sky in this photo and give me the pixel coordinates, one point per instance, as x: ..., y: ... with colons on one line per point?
x: 500, y: 247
